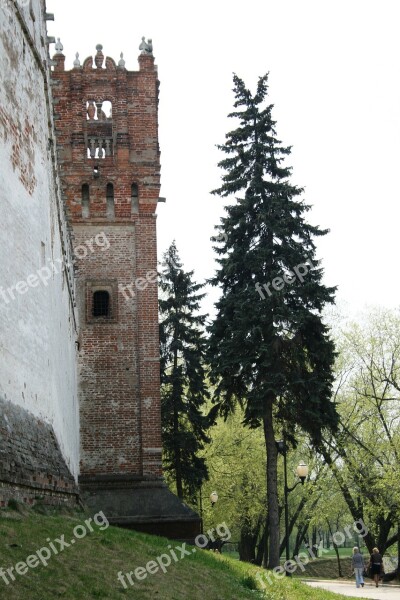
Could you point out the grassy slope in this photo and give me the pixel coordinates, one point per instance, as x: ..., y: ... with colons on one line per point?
x: 327, y: 568
x: 89, y: 569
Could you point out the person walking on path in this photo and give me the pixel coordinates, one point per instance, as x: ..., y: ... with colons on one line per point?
x: 357, y: 563
x: 376, y: 564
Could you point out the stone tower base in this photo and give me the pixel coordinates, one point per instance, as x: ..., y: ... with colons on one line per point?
x: 141, y: 503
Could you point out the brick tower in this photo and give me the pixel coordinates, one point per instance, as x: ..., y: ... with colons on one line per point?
x: 107, y: 142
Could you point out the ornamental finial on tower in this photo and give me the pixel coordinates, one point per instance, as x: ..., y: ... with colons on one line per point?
x: 99, y: 58
x: 121, y: 62
x: 77, y: 62
x: 59, y: 47
x: 146, y: 47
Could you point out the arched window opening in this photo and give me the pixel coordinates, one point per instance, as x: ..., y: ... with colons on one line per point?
x: 98, y: 111
x: 99, y: 127
x: 110, y: 200
x: 101, y: 304
x: 91, y: 110
x: 106, y: 109
x: 85, y: 200
x: 135, y: 199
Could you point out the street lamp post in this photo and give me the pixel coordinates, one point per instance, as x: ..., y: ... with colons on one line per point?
x: 396, y: 508
x: 302, y: 472
x: 213, y: 500
x: 398, y: 549
x: 201, y: 510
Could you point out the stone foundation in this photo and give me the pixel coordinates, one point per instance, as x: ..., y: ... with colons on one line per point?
x: 140, y: 503
x: 32, y: 467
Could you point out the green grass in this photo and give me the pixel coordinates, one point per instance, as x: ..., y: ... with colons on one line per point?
x: 327, y: 568
x: 292, y: 589
x: 344, y: 552
x: 88, y: 569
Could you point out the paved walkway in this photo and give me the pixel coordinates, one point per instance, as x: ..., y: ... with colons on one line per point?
x: 385, y: 592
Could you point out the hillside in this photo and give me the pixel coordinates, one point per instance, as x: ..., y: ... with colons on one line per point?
x: 57, y: 556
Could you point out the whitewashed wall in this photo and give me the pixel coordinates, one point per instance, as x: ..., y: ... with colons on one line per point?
x: 37, y: 328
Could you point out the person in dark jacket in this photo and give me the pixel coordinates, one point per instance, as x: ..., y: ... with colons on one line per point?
x: 375, y: 563
x: 357, y: 562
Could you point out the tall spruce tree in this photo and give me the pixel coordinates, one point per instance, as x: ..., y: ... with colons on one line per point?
x: 183, y: 375
x: 269, y: 349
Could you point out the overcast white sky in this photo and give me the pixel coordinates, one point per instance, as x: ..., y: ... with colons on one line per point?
x: 335, y: 82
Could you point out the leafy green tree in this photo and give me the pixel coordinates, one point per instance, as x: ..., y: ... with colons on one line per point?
x: 330, y: 515
x: 235, y: 460
x: 183, y: 375
x: 269, y: 349
x: 304, y: 498
x: 364, y: 455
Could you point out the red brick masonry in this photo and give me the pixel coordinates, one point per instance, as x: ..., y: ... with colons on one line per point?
x: 110, y: 172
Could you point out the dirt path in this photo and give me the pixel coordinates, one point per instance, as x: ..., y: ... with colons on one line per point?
x: 369, y: 590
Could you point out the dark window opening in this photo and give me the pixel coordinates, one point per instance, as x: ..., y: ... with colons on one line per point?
x: 85, y: 200
x: 110, y: 200
x: 135, y: 198
x: 101, y: 304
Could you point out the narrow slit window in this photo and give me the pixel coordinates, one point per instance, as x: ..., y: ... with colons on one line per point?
x: 135, y: 199
x: 101, y: 304
x: 110, y: 200
x: 85, y: 200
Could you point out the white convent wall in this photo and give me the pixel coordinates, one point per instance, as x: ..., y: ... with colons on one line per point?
x: 37, y: 326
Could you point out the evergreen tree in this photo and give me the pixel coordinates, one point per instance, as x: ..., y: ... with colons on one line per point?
x: 183, y: 386
x: 269, y: 349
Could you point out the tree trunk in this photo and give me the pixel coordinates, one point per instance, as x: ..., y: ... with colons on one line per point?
x: 266, y: 542
x: 356, y: 513
x: 178, y: 471
x: 292, y: 523
x: 260, y: 549
x: 314, y: 537
x: 385, y: 525
x: 272, y: 484
x: 178, y: 467
x: 336, y: 551
x: 301, y: 534
x: 247, y: 546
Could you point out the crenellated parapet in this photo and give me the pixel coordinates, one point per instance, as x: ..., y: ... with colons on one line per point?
x: 107, y: 124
